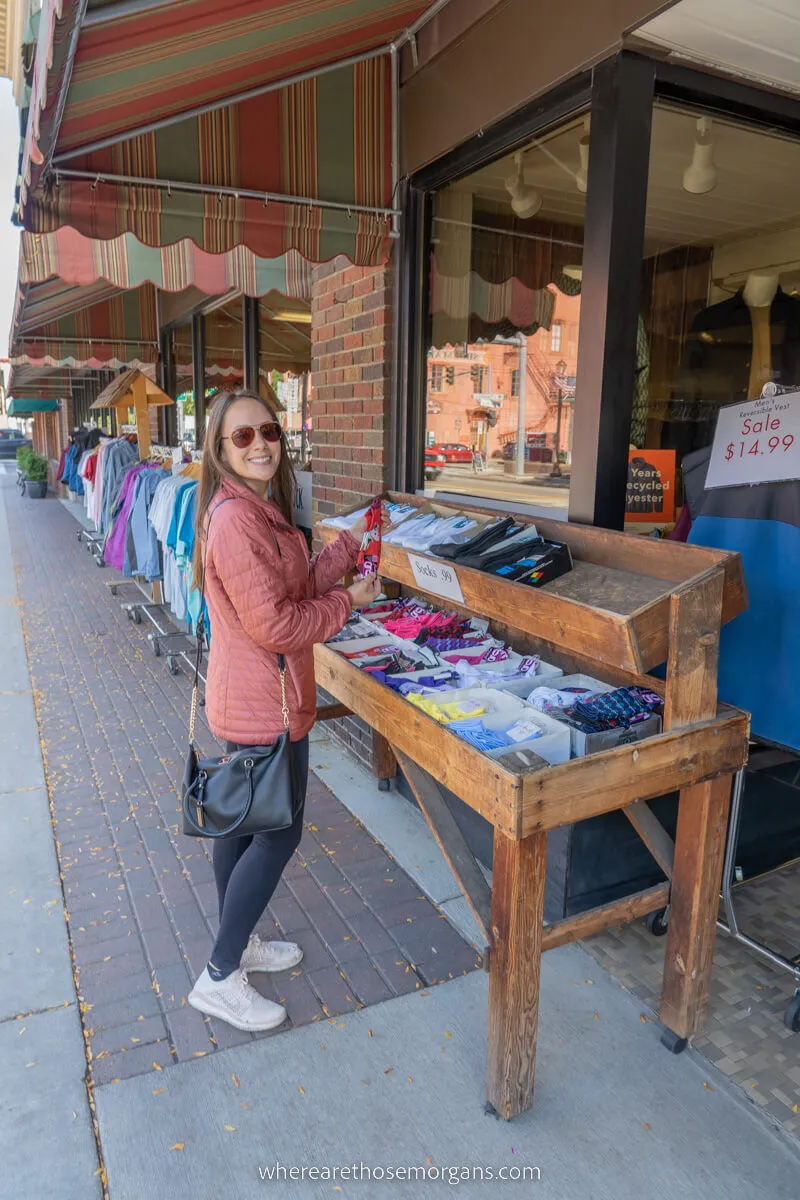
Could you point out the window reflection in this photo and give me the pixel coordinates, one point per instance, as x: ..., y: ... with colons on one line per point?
x: 505, y: 282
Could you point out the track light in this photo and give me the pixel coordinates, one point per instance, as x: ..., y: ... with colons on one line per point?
x: 525, y: 200
x: 701, y: 175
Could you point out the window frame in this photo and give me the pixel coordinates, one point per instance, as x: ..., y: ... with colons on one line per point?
x: 619, y: 95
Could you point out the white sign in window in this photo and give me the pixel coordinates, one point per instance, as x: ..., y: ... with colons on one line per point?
x: 756, y: 442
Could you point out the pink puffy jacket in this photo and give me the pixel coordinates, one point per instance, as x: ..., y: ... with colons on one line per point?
x: 265, y: 597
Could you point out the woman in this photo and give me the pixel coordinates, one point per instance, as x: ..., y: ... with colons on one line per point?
x: 265, y: 598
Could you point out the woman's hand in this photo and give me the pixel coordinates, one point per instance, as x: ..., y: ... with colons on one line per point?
x: 364, y: 591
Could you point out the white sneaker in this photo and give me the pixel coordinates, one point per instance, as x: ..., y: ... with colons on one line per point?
x: 269, y: 956
x: 236, y: 1001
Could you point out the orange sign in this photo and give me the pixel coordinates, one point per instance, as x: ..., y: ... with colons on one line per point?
x: 651, y: 486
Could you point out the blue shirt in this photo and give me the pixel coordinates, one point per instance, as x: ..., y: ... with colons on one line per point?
x: 142, y: 552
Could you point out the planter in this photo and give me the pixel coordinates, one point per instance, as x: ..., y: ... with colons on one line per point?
x: 36, y: 489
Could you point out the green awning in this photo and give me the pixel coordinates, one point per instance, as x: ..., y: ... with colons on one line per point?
x: 26, y: 408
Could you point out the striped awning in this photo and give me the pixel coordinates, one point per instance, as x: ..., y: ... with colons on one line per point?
x: 40, y: 382
x: 325, y: 139
x: 80, y: 306
x: 76, y: 327
x: 123, y: 262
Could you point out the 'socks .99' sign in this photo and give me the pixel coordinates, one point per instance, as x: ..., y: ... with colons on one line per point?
x: 438, y: 578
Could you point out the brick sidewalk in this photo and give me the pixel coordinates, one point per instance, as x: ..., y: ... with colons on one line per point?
x: 140, y: 896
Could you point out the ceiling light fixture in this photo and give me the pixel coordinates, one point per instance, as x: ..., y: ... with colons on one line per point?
x: 582, y: 175
x: 701, y: 175
x: 525, y: 200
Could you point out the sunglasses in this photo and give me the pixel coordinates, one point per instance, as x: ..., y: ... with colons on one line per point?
x: 243, y: 437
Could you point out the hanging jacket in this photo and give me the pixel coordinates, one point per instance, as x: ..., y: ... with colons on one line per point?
x: 265, y: 597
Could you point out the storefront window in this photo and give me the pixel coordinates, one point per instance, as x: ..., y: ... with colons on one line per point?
x: 505, y: 281
x: 223, y: 336
x: 284, y: 363
x: 720, y: 313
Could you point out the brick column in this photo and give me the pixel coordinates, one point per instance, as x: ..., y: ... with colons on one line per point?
x: 351, y: 356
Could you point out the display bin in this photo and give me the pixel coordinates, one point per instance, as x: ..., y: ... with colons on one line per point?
x: 629, y: 605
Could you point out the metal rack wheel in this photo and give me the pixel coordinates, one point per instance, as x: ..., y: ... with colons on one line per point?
x: 127, y: 610
x: 657, y: 922
x: 137, y: 616
x: 673, y: 1043
x: 791, y: 1018
x: 113, y: 589
x: 154, y: 642
x: 172, y: 665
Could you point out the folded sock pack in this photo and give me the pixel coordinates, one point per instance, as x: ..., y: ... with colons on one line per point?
x: 369, y: 554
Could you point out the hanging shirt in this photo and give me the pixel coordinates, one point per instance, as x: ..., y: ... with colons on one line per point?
x: 142, y: 555
x: 114, y: 551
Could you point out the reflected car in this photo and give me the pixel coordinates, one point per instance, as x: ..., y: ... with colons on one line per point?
x: 434, y: 462
x: 454, y: 452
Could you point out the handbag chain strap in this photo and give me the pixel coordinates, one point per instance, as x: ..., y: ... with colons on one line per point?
x: 200, y: 634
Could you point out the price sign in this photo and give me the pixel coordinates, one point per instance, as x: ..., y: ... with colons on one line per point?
x: 302, y: 498
x: 756, y: 442
x: 436, y: 577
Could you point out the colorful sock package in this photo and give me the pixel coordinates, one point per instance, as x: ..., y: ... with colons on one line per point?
x: 369, y: 556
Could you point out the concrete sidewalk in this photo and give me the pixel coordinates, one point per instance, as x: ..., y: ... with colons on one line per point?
x: 398, y: 1084
x: 46, y: 1138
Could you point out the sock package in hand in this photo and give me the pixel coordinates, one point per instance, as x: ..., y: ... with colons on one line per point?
x: 369, y: 556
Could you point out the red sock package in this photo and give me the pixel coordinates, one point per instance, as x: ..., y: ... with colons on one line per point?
x: 369, y: 556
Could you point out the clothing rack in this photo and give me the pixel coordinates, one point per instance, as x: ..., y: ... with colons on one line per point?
x: 136, y: 609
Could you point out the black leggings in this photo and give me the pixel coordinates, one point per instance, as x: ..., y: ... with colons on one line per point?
x: 247, y: 871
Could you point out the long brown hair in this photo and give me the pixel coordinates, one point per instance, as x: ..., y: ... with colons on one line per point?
x: 214, y: 470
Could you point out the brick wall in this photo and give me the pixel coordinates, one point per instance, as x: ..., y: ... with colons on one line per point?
x: 351, y: 356
x: 351, y: 332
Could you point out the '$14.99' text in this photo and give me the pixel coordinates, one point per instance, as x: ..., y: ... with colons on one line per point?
x: 738, y: 450
x: 765, y: 443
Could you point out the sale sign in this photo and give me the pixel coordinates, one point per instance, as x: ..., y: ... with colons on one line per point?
x: 651, y: 486
x: 756, y: 442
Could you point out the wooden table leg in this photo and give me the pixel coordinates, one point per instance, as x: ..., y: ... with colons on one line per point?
x: 694, y: 902
x: 518, y: 874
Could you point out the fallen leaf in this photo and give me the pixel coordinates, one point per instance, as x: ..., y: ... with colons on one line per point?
x: 597, y: 1016
x: 157, y: 1091
x: 302, y: 1089
x: 200, y: 1053
x: 369, y: 1031
x: 410, y: 1080
x: 643, y: 1018
x: 235, y: 1081
x: 429, y: 1160
x: 707, y: 1086
x: 388, y: 1070
x: 645, y: 1126
x: 446, y: 1034
x: 156, y: 1067
x: 231, y: 1128
x: 177, y: 1146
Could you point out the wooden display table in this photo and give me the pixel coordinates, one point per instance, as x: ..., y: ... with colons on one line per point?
x: 629, y: 604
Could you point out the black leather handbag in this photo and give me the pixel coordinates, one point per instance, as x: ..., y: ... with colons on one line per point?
x: 255, y: 790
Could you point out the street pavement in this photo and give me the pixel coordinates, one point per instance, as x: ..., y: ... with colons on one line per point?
x: 111, y: 1080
